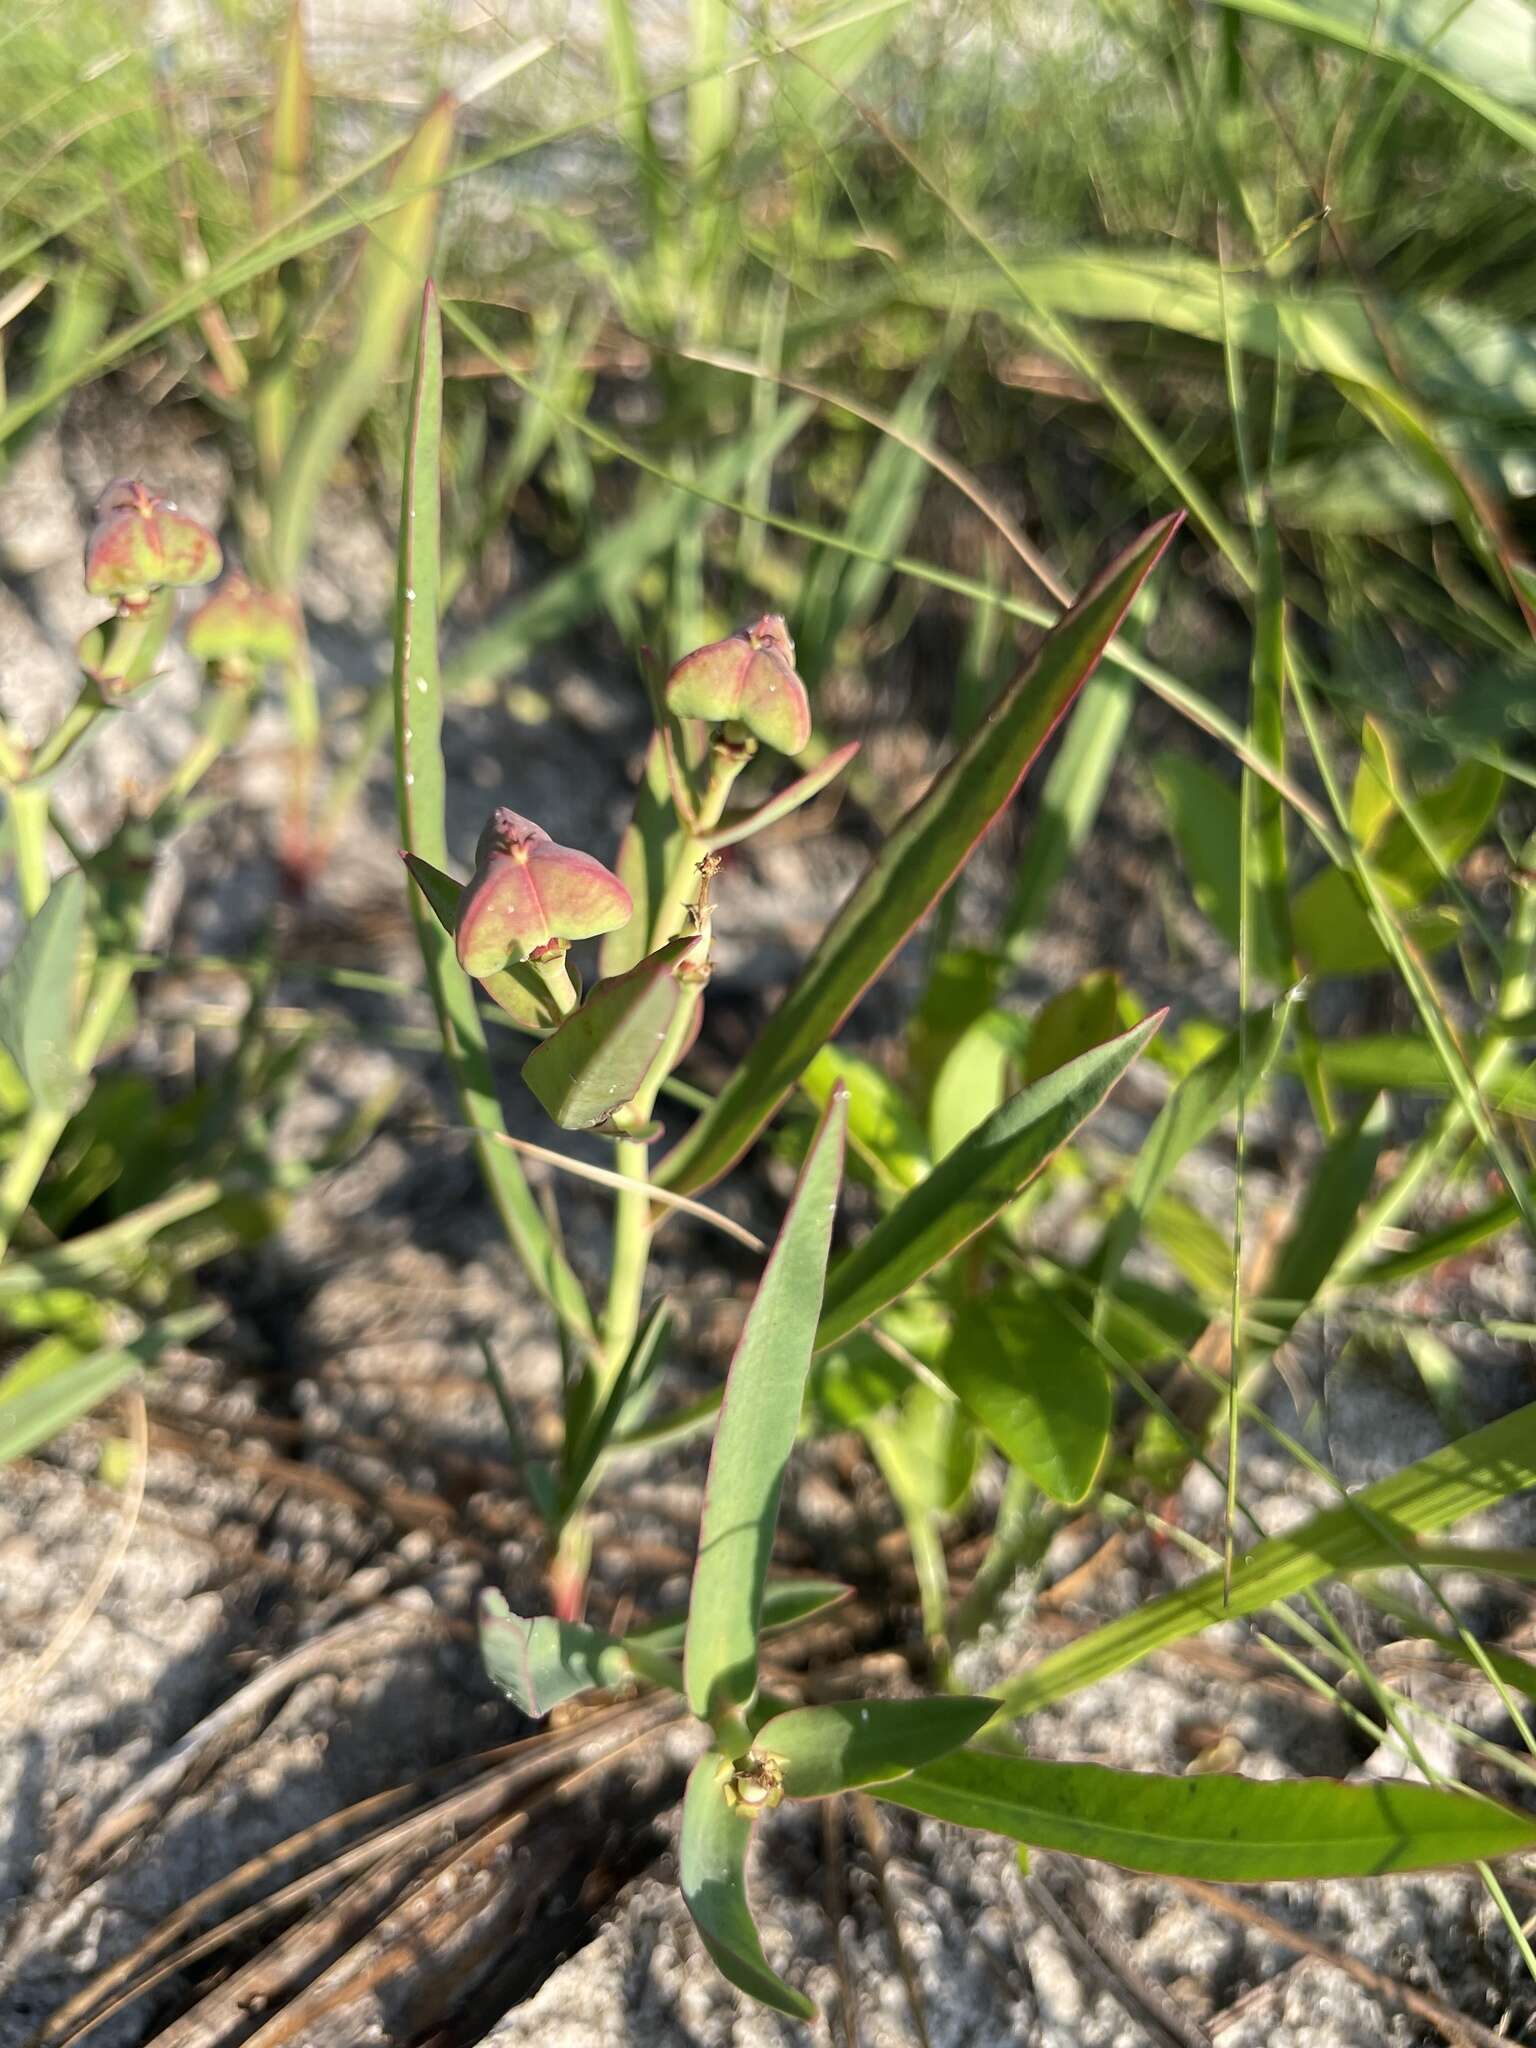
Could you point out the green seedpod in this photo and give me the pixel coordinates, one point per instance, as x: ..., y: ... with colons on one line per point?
x: 746, y: 679
x: 529, y: 897
x: 241, y: 628
x: 140, y: 543
x: 599, y: 1058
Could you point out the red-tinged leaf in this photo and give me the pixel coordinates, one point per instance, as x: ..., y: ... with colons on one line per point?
x: 913, y: 869
x: 799, y: 792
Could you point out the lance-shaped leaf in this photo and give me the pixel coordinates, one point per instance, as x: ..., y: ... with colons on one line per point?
x: 836, y: 1748
x: 517, y: 990
x: 37, y: 995
x: 1370, y: 1529
x: 758, y: 1419
x: 746, y: 679
x: 1232, y: 1830
x: 140, y: 543
x: 600, y: 1056
x: 914, y: 868
x: 388, y: 284
x: 416, y: 689
x: 529, y: 894
x: 743, y: 826
x: 712, y: 1874
x: 973, y: 1184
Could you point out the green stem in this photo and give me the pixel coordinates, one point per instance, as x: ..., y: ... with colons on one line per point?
x: 1019, y: 1540
x: 29, y: 822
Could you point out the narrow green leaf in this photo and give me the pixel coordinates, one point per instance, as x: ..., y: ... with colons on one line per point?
x: 836, y: 1748
x: 37, y: 995
x: 1231, y: 1830
x: 1431, y: 1493
x: 918, y: 862
x: 1035, y: 1382
x: 973, y: 1184
x: 419, y: 787
x: 758, y: 1420
x: 598, y: 1058
x: 1404, y: 1062
x: 712, y: 1873
x: 387, y: 286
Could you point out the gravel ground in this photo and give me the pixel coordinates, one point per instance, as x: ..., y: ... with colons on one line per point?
x: 326, y: 1489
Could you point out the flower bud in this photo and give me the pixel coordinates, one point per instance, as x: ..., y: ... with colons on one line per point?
x: 750, y: 680
x: 529, y: 896
x: 241, y: 629
x: 141, y: 543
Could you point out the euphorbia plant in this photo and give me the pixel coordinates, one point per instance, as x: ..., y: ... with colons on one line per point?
x: 881, y: 1333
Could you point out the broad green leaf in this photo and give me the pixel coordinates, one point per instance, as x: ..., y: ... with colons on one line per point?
x: 712, y: 1874
x: 419, y: 785
x: 1431, y: 1493
x: 1072, y: 1022
x: 1409, y: 857
x: 972, y: 1080
x: 973, y: 1184
x: 836, y: 1748
x: 538, y: 1661
x: 1204, y: 817
x: 1035, y: 1382
x: 1194, y: 1109
x: 927, y: 1449
x: 37, y: 995
x: 1335, y: 935
x: 597, y: 1060
x: 918, y: 862
x: 758, y: 1420
x: 1232, y: 1830
x: 387, y: 287
x: 55, y: 1383
x: 881, y: 1128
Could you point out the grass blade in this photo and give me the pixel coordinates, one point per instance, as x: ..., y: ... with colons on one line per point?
x: 1429, y: 1494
